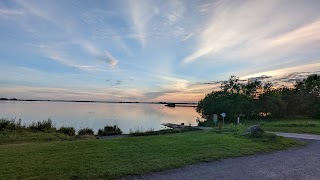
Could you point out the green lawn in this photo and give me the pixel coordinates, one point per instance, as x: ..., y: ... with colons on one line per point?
x: 309, y: 126
x: 109, y: 159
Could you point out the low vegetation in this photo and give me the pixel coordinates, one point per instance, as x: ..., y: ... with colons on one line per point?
x: 240, y: 131
x: 163, y: 131
x: 43, y: 126
x: 70, y: 131
x: 308, y: 126
x: 12, y: 131
x: 85, y: 131
x: 109, y: 130
x: 110, y: 159
x: 304, y: 126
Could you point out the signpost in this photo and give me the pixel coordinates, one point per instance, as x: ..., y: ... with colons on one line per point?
x: 215, y: 118
x: 223, y: 116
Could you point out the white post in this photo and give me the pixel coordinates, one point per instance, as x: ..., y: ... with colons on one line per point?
x: 238, y: 119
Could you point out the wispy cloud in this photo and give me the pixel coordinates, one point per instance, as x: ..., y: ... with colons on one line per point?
x: 187, y: 37
x: 68, y: 61
x: 102, y: 56
x: 308, y: 67
x: 140, y: 17
x: 254, y: 29
x: 10, y: 12
x: 108, y: 58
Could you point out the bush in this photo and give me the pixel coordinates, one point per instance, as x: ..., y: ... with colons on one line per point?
x: 85, y: 131
x: 70, y: 131
x: 43, y: 126
x: 6, y: 124
x: 109, y: 130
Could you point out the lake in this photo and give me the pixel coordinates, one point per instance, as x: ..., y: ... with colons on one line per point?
x: 133, y: 116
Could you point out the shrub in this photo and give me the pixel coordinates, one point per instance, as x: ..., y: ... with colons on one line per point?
x: 42, y: 126
x: 109, y: 130
x: 85, y: 131
x: 6, y: 124
x: 70, y: 131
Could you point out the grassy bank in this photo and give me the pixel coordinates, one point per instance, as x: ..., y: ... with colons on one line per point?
x: 13, y: 132
x: 309, y: 126
x: 14, y: 137
x: 109, y: 159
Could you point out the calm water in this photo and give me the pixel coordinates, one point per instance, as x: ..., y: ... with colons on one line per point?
x: 97, y: 115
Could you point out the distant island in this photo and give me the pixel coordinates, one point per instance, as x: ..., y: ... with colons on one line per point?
x: 170, y: 104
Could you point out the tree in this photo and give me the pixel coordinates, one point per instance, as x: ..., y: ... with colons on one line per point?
x: 310, y: 85
x: 253, y: 98
x: 233, y: 85
x: 272, y: 104
x: 233, y: 104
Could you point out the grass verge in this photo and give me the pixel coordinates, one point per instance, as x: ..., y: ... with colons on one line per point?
x: 304, y: 126
x: 110, y: 159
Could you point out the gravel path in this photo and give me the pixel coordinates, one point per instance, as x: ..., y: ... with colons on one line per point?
x: 295, y: 163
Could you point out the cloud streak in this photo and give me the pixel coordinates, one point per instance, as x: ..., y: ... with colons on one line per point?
x: 108, y: 58
x: 242, y: 29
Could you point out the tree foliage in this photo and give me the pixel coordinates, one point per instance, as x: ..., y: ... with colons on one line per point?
x: 254, y: 99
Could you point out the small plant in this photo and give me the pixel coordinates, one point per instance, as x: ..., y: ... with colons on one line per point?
x: 70, y: 131
x: 109, y: 130
x: 85, y: 131
x: 43, y: 126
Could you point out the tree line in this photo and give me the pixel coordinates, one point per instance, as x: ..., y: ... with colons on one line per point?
x: 256, y: 99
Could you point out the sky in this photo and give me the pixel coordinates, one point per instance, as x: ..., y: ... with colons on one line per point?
x: 159, y: 50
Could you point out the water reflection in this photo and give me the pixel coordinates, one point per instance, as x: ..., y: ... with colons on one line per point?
x: 96, y: 115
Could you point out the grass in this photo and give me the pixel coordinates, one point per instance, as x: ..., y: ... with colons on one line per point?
x: 14, y: 137
x: 13, y: 132
x: 307, y: 126
x: 110, y: 159
x: 163, y: 131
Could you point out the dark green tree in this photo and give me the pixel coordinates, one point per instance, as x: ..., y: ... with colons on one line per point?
x: 233, y: 104
x: 271, y: 104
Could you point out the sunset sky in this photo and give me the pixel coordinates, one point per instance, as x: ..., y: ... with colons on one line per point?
x: 152, y: 50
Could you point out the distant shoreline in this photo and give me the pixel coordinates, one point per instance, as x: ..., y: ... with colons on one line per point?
x: 84, y: 101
